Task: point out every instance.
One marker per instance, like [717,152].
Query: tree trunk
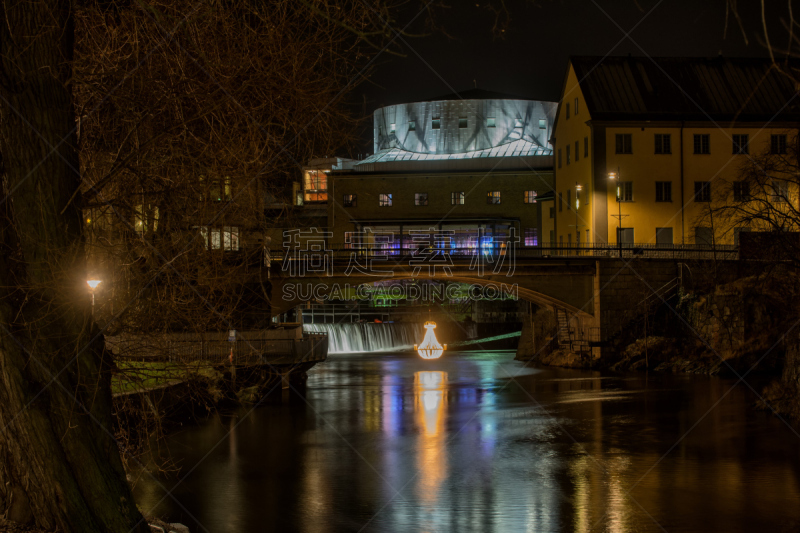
[59,463]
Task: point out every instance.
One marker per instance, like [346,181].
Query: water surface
[478,442]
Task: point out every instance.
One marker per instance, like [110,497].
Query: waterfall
[368,337]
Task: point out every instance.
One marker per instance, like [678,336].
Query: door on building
[664,237]
[625,236]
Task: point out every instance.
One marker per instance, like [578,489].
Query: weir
[368,337]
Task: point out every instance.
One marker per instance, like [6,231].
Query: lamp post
[577,206]
[93,283]
[615,176]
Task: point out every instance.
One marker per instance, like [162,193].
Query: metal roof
[518,148]
[720,89]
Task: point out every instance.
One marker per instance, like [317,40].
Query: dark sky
[530,60]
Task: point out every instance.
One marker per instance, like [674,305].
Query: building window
[702,191]
[560,202]
[559,158]
[457,198]
[569,199]
[542,124]
[740,144]
[663,143]
[777,144]
[350,200]
[741,191]
[420,198]
[385,200]
[703,236]
[780,191]
[625,235]
[663,191]
[490,123]
[663,236]
[624,143]
[493,197]
[412,125]
[517,122]
[737,232]
[530,197]
[552,214]
[568,158]
[577,151]
[576,106]
[435,123]
[392,128]
[531,236]
[462,123]
[220,238]
[315,186]
[586,147]
[702,143]
[625,191]
[567,111]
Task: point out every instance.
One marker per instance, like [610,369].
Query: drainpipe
[683,226]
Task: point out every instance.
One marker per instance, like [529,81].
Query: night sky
[530,59]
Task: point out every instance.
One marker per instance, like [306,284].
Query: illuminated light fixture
[93,283]
[430,347]
[612,175]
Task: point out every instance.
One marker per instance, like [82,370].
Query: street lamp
[615,176]
[577,206]
[93,283]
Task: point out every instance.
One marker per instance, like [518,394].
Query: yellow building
[674,135]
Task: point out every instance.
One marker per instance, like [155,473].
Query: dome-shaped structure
[458,126]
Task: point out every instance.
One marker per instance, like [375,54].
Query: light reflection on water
[390,443]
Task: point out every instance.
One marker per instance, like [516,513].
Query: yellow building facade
[673,134]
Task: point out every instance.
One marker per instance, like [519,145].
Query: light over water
[478,442]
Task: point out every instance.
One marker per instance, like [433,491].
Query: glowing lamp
[430,347]
[93,283]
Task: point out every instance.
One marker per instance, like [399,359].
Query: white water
[368,337]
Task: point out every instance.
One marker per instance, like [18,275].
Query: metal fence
[250,351]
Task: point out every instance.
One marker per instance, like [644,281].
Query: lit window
[391,128]
[663,143]
[315,186]
[531,236]
[462,123]
[216,238]
[230,238]
[702,191]
[777,144]
[490,123]
[221,190]
[384,200]
[412,125]
[702,143]
[530,197]
[457,198]
[517,122]
[493,197]
[542,124]
[435,123]
[421,198]
[740,144]
[624,143]
[350,200]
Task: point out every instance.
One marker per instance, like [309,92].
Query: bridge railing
[541,251]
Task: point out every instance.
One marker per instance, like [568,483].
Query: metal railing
[541,251]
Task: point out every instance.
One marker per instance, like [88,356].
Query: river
[478,442]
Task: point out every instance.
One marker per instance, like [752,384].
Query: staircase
[564,334]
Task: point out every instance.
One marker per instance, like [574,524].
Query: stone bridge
[593,297]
